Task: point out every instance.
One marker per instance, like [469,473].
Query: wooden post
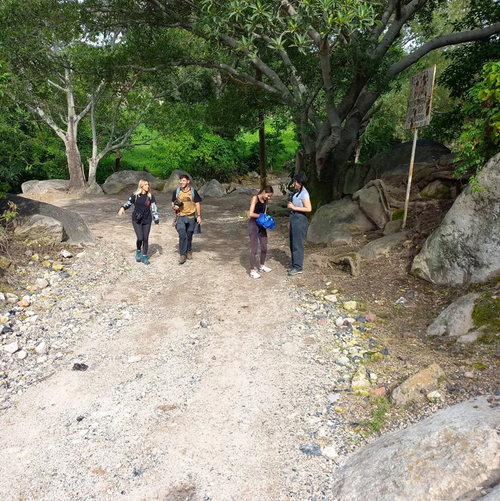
[410,174]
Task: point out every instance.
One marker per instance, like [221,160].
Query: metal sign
[418,113]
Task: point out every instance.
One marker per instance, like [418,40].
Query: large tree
[328,60]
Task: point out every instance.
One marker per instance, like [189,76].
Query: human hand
[198,219]
[290,205]
[121,211]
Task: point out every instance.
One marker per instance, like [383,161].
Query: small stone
[134,359]
[373,377]
[66,253]
[35,257]
[204,323]
[378,392]
[330,452]
[331,297]
[57,267]
[11,298]
[384,351]
[41,283]
[322,321]
[470,375]
[350,305]
[42,359]
[310,449]
[24,303]
[433,396]
[361,320]
[333,398]
[59,355]
[80,254]
[11,347]
[41,348]
[339,322]
[371,317]
[21,355]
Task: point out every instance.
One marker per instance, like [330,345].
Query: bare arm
[253,203]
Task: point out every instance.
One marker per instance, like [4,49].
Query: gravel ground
[199,383]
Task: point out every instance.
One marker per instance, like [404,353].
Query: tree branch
[443,41]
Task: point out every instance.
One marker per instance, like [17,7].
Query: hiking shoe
[294,271]
[145,259]
[254,274]
[189,254]
[138,256]
[182,259]
[265,269]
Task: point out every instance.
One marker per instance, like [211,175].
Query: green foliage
[379,135]
[6,225]
[486,313]
[481,131]
[382,406]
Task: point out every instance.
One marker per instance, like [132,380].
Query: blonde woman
[144,212]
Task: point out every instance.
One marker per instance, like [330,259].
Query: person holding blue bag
[300,204]
[258,223]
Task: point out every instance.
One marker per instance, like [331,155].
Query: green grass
[379,415]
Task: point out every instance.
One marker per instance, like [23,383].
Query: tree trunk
[118,157]
[75,166]
[262,151]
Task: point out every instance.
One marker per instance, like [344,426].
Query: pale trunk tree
[68,136]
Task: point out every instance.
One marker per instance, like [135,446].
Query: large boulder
[465,247]
[456,319]
[212,189]
[389,160]
[336,219]
[382,246]
[129,179]
[35,187]
[41,230]
[374,201]
[172,182]
[75,229]
[451,455]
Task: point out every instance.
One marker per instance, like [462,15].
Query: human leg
[183,238]
[146,228]
[140,237]
[254,240]
[298,232]
[263,250]
[189,231]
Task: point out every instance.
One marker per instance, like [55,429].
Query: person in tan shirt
[186,202]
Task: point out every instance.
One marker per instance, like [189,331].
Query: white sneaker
[254,274]
[265,269]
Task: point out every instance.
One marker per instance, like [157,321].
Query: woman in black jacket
[144,212]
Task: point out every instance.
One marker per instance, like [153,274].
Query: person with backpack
[258,234]
[300,204]
[145,211]
[186,203]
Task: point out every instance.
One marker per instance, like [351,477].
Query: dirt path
[168,409]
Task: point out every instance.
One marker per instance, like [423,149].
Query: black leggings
[257,233]
[142,232]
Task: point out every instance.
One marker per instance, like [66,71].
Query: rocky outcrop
[172,182]
[42,230]
[388,161]
[465,247]
[128,180]
[212,189]
[337,218]
[35,187]
[451,455]
[74,227]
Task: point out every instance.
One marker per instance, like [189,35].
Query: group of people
[186,202]
[300,205]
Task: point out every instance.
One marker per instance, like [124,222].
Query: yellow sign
[418,113]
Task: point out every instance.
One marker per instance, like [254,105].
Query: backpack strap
[177,191]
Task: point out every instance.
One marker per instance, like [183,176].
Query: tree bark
[75,166]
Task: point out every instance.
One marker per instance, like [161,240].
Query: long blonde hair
[142,182]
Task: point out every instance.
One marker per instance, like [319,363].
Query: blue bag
[265,221]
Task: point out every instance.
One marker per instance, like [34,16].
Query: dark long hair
[267,189]
[301,178]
